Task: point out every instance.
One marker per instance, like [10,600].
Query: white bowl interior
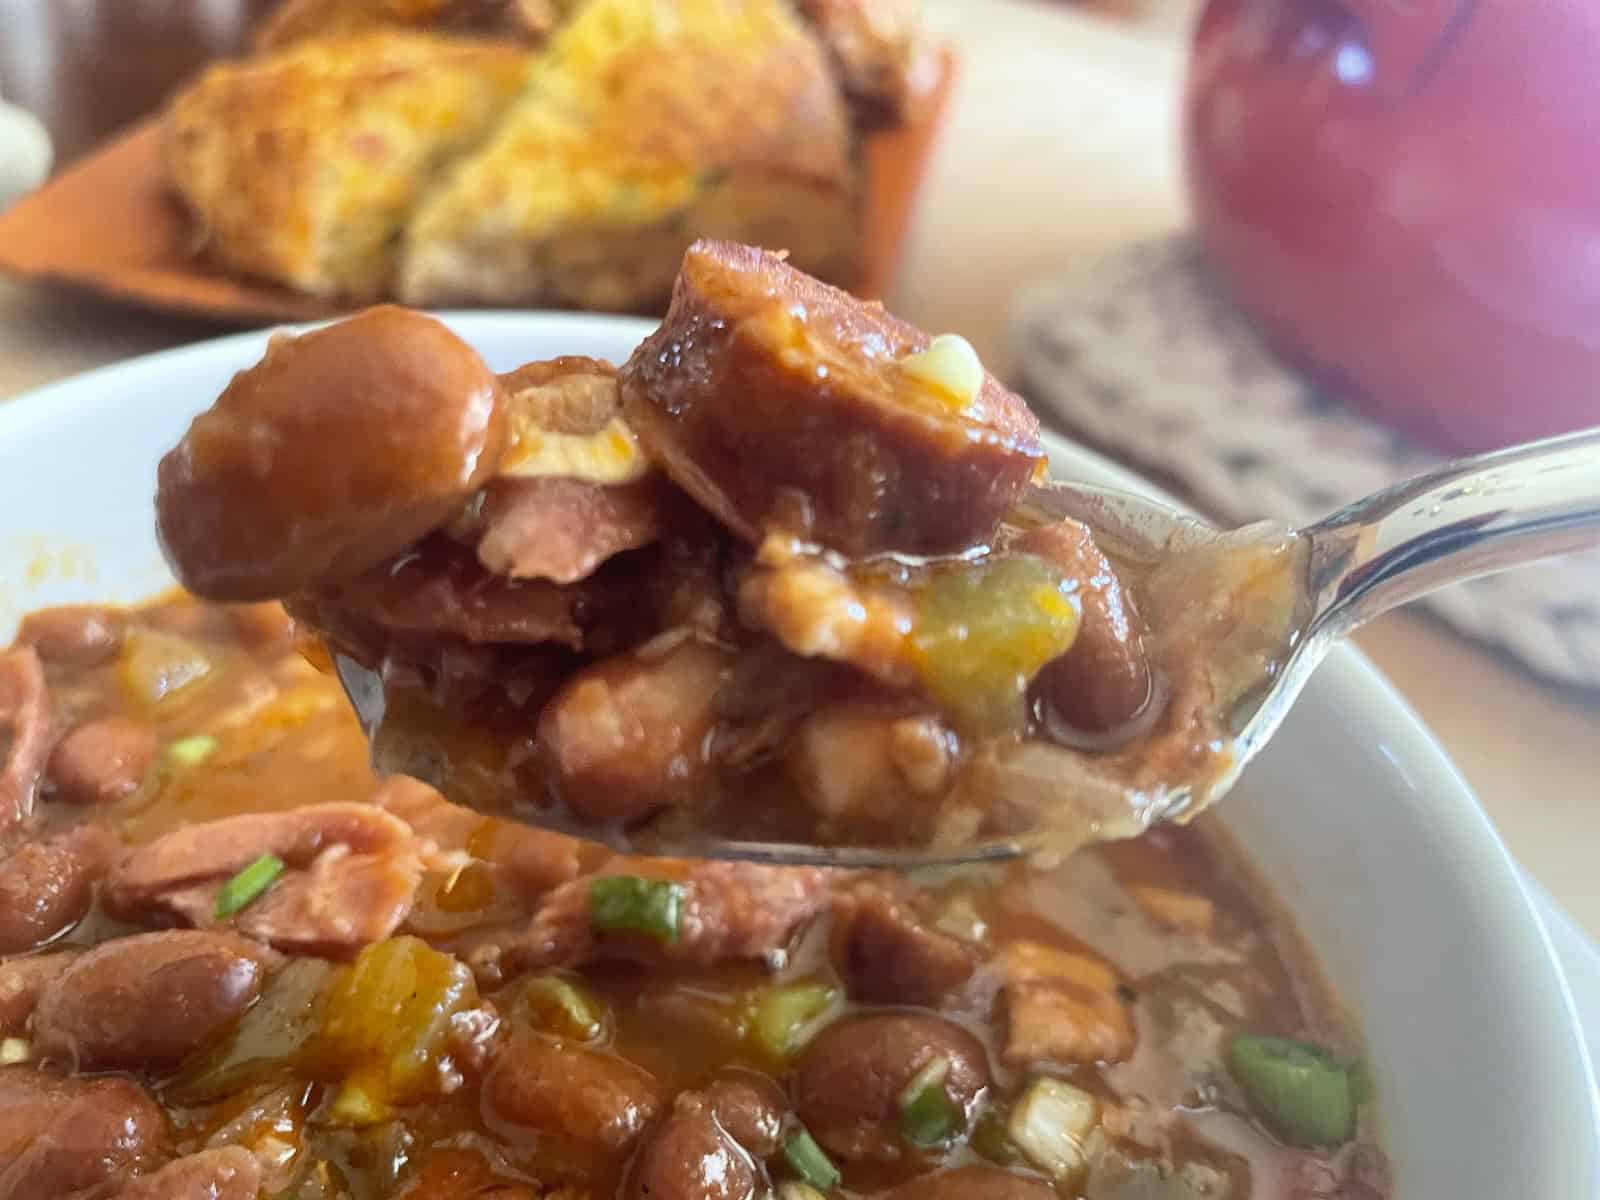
[1353,814]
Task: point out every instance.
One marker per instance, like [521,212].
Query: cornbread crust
[300,20]
[644,125]
[302,166]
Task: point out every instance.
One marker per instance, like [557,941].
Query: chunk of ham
[25,736]
[728,912]
[352,875]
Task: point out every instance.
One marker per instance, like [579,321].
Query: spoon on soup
[1243,618]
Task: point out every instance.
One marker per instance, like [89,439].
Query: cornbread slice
[303,165]
[646,124]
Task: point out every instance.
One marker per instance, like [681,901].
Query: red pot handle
[1404,36]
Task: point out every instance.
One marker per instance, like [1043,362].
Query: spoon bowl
[1469,518]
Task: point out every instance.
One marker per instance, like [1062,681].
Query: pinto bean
[148,1001]
[848,1082]
[690,1156]
[774,399]
[68,1137]
[21,982]
[46,886]
[101,762]
[584,1095]
[338,449]
[750,1107]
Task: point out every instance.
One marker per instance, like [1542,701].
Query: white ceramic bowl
[1353,814]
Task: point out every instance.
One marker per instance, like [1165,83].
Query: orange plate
[108,226]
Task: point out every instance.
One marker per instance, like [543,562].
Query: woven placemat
[1141,354]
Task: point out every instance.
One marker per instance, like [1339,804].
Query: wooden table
[1060,142]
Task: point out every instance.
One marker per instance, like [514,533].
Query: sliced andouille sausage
[972,1183]
[101,761]
[70,1137]
[25,734]
[1103,681]
[628,735]
[147,1001]
[225,1173]
[338,449]
[46,886]
[581,1094]
[74,635]
[777,401]
[847,1085]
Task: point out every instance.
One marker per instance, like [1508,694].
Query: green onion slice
[248,885]
[1300,1091]
[809,1162]
[927,1114]
[785,1016]
[631,904]
[990,1139]
[192,751]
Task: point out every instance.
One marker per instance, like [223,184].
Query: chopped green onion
[803,1154]
[561,1007]
[631,904]
[192,751]
[1299,1091]
[785,1017]
[927,1114]
[1049,1126]
[990,1139]
[247,886]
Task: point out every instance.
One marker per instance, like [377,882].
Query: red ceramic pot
[1406,194]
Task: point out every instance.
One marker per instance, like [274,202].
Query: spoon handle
[1468,518]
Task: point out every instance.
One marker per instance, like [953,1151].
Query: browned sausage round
[689,1156]
[146,1002]
[46,887]
[775,400]
[78,635]
[63,1137]
[103,761]
[337,450]
[226,1173]
[972,1183]
[848,1082]
[586,1095]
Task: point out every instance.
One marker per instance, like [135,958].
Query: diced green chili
[561,1007]
[192,751]
[631,904]
[801,1152]
[248,885]
[1299,1091]
[784,1017]
[990,1139]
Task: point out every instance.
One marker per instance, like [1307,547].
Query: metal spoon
[1466,519]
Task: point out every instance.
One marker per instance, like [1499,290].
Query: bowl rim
[1472,839]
